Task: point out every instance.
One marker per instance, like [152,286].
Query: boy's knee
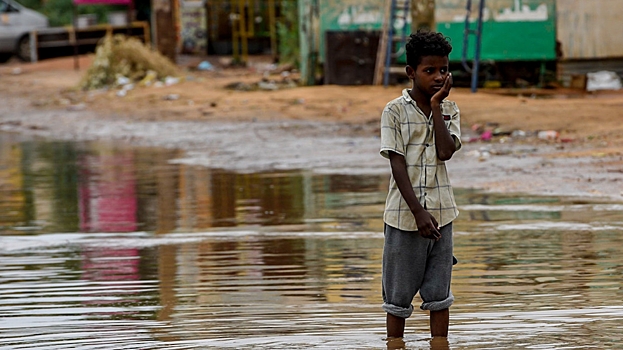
[398,311]
[436,304]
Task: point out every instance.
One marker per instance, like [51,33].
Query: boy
[419,132]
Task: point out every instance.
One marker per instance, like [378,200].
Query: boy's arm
[444,143]
[426,223]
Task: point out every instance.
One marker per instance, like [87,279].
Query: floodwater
[108,247]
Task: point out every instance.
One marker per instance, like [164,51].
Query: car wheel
[23,48]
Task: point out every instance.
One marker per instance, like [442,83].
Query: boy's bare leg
[439,321]
[395,326]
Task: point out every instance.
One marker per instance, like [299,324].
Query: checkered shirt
[407,131]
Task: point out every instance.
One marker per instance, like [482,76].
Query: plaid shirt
[407,131]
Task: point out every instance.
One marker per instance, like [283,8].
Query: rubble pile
[121,60]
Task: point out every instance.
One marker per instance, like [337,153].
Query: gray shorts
[412,263]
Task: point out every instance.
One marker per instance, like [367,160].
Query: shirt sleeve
[391,135]
[454,125]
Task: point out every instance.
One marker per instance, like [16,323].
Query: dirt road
[213,117]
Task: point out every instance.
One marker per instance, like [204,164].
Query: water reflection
[99,187]
[104,246]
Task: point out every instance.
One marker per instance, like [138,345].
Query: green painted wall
[514,30]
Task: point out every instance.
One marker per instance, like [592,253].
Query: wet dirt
[330,129]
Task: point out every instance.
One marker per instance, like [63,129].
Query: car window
[6,7]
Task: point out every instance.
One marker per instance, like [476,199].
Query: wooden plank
[381,52]
[66,36]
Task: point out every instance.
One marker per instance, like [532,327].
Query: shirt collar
[407,97]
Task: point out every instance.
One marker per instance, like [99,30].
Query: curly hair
[425,43]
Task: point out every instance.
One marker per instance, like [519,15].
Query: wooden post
[165,33]
[243,33]
[273,30]
[381,51]
[34,44]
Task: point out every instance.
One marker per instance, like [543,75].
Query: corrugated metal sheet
[590,29]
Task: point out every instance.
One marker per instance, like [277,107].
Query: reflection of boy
[419,132]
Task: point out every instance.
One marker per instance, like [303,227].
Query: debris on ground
[603,80]
[493,133]
[121,60]
[205,65]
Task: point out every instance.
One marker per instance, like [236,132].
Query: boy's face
[428,77]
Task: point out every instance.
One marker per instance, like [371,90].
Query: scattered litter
[486,136]
[171,97]
[150,78]
[121,80]
[501,132]
[547,135]
[168,81]
[205,65]
[518,133]
[602,80]
[267,85]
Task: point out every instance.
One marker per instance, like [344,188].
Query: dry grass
[125,56]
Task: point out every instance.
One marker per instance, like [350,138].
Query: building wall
[513,30]
[590,29]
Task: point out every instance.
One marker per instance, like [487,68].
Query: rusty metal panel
[590,29]
[350,57]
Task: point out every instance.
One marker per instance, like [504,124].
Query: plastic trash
[171,97]
[602,80]
[122,80]
[486,136]
[205,65]
[149,78]
[168,81]
[547,135]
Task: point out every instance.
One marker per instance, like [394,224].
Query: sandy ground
[325,128]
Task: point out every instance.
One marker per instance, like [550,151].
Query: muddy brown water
[108,247]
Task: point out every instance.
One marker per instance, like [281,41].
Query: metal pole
[466,33]
[477,53]
[74,38]
[390,42]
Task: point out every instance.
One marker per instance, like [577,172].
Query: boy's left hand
[444,91]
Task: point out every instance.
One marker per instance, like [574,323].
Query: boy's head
[427,63]
[425,43]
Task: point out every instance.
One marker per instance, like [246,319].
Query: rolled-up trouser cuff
[438,305]
[397,310]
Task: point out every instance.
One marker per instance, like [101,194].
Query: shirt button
[427,145]
[425,194]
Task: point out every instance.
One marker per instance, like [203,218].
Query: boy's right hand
[427,225]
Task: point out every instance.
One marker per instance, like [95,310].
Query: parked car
[16,23]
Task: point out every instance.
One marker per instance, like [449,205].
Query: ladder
[478,33]
[395,11]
